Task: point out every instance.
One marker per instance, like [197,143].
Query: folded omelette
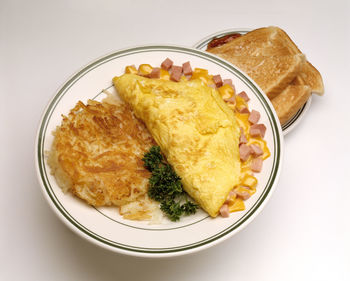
[195,129]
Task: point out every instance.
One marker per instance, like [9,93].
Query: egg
[196,130]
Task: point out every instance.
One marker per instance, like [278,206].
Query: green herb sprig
[165,186]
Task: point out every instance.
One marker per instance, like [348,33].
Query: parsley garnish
[165,186]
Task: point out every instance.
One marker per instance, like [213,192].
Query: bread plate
[104,226]
[292,122]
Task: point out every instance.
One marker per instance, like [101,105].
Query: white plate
[292,122]
[104,226]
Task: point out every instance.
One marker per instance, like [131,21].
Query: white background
[302,234]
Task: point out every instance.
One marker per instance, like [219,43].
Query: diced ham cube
[217,80]
[187,69]
[243,194]
[155,73]
[224,211]
[257,130]
[244,152]
[256,150]
[232,193]
[167,64]
[212,86]
[257,165]
[176,73]
[227,82]
[244,95]
[254,116]
[242,138]
[244,110]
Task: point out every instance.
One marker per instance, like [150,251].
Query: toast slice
[270,41]
[290,100]
[297,81]
[272,73]
[312,78]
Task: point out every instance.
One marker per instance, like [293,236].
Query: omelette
[195,129]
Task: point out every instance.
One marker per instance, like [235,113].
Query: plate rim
[296,118]
[275,174]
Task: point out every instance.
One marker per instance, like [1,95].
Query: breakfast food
[205,130]
[270,49]
[195,130]
[96,154]
[210,144]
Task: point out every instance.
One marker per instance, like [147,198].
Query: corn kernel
[201,74]
[226,91]
[249,181]
[164,74]
[238,205]
[144,69]
[243,122]
[240,103]
[130,69]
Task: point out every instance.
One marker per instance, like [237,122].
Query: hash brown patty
[96,154]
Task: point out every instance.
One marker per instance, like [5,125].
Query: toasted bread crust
[297,81]
[290,100]
[312,78]
[266,41]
